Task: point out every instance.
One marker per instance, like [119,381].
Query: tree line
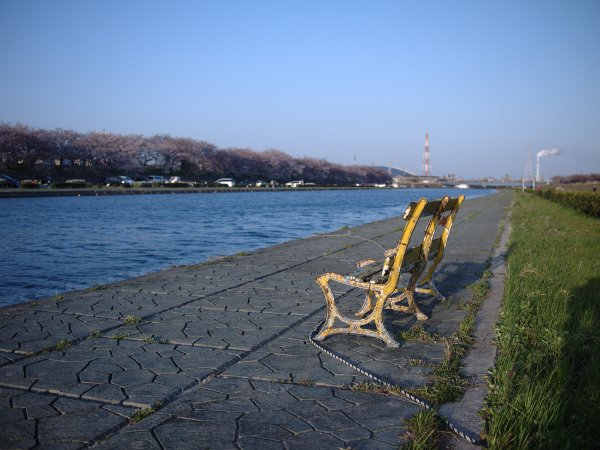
[30,152]
[578,178]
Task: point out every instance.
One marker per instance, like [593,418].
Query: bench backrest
[415,258]
[438,244]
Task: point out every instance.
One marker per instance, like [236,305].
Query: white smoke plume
[548,152]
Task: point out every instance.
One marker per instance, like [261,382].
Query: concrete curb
[482,355]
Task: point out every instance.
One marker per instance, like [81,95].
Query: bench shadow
[410,363]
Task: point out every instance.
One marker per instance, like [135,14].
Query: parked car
[120,180]
[8,181]
[155,179]
[229,182]
[44,181]
[294,184]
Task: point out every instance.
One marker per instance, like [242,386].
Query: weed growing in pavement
[368,386]
[210,262]
[120,335]
[418,333]
[151,339]
[420,362]
[424,431]
[61,345]
[131,320]
[98,287]
[141,414]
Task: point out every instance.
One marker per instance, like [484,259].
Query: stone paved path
[221,351]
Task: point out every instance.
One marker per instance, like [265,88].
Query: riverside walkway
[220,351]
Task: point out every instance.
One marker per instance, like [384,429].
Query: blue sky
[329,79]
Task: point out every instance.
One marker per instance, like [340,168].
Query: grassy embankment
[545,389]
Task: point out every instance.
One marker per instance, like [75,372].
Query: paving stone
[354,435]
[149,394]
[141,440]
[210,328]
[49,421]
[9,358]
[179,286]
[371,444]
[249,442]
[252,299]
[106,392]
[314,439]
[267,412]
[78,427]
[31,331]
[112,303]
[389,436]
[263,430]
[183,434]
[331,421]
[280,418]
[118,372]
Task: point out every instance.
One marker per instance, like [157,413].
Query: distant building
[414,179]
[396,171]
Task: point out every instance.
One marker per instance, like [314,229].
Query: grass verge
[545,387]
[447,382]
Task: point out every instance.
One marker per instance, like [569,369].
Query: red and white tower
[426,164]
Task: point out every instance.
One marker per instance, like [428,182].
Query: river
[53,245]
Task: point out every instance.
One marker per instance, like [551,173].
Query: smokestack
[426,164]
[543,154]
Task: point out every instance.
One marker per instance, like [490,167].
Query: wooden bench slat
[432,207]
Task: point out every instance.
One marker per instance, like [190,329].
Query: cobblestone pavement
[217,355]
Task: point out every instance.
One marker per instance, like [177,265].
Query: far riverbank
[98,191]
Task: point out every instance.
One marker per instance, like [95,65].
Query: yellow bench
[383,284]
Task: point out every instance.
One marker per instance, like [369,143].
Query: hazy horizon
[346,81]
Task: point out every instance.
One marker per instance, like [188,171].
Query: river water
[57,244]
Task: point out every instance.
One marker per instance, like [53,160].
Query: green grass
[545,387]
[424,431]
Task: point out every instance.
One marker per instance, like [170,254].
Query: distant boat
[462,186]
